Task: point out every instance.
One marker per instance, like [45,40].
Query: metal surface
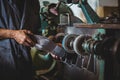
[97,26]
[89,13]
[80,31]
[67,43]
[77,45]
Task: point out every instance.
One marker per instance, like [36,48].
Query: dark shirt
[20,6]
[15,59]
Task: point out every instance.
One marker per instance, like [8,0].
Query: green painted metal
[101,69]
[42,60]
[89,13]
[99,33]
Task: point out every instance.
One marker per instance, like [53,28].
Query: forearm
[20,36]
[6,33]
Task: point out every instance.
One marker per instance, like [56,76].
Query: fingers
[29,42]
[28,32]
[55,57]
[26,42]
[23,37]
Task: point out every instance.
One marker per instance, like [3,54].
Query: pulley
[78,44]
[67,43]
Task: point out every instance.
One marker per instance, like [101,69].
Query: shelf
[97,26]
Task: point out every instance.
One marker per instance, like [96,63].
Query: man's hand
[23,37]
